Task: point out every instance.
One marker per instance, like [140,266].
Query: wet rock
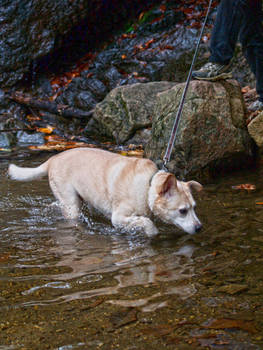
[212,133]
[255,129]
[6,140]
[127,109]
[233,289]
[29,30]
[3,100]
[85,100]
[7,126]
[33,29]
[24,138]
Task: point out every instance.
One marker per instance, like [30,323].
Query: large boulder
[128,109]
[212,134]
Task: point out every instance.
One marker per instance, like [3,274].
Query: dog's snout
[198,227]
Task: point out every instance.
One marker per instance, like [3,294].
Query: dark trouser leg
[243,19]
[254,56]
[251,38]
[225,31]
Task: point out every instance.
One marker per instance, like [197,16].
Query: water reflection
[47,263]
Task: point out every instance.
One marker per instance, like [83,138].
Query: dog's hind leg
[68,198]
[134,222]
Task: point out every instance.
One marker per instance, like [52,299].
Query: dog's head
[172,201]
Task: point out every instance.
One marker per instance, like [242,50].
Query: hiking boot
[213,71]
[255,106]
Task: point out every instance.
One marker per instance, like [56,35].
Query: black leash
[167,156]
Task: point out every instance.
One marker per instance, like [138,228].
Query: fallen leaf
[223,323]
[54,138]
[158,331]
[128,36]
[53,146]
[47,130]
[93,304]
[247,187]
[233,288]
[4,258]
[141,16]
[132,153]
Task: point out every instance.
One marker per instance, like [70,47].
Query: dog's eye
[183,211]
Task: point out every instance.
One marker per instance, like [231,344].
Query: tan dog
[127,190]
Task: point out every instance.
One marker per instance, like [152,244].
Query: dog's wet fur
[128,190]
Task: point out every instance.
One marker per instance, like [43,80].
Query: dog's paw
[137,223]
[152,232]
[149,228]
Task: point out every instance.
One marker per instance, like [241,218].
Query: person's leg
[223,41]
[225,31]
[251,38]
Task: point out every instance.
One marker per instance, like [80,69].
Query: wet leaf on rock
[223,323]
[47,130]
[123,317]
[132,153]
[60,146]
[233,288]
[247,187]
[93,304]
[158,330]
[4,258]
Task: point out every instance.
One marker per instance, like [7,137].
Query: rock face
[128,109]
[212,133]
[31,29]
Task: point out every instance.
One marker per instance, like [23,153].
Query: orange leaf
[4,258]
[53,138]
[141,15]
[47,130]
[162,8]
[132,153]
[223,323]
[247,187]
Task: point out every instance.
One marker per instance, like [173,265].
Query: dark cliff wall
[33,28]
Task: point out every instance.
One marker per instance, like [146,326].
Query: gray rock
[24,138]
[6,139]
[212,132]
[127,109]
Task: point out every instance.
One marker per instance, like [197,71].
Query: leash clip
[164,167]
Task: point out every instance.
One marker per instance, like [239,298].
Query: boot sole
[218,77]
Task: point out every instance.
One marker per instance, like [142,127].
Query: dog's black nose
[198,227]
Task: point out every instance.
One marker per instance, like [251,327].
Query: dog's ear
[194,185]
[166,184]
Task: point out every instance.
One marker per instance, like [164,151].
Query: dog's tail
[27,174]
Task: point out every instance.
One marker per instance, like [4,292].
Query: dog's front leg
[132,222]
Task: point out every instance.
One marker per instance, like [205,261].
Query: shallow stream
[91,287]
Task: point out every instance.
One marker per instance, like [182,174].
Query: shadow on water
[89,286]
